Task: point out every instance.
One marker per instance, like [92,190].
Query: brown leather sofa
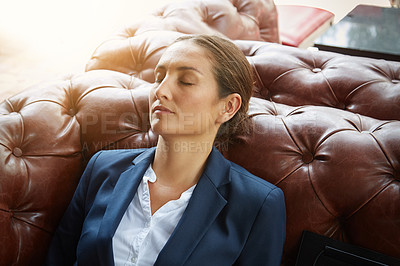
[326,130]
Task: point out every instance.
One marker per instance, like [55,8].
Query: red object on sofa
[300,25]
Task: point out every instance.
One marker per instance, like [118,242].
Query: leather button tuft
[17,152]
[395,81]
[316,70]
[71,112]
[341,105]
[308,157]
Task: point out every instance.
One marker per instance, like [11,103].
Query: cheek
[204,100]
[198,108]
[201,112]
[195,104]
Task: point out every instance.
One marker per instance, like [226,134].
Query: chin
[162,130]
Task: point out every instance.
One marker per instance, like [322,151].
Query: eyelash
[186,83]
[181,82]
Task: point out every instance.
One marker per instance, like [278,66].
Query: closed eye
[186,83]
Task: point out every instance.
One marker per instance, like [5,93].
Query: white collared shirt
[141,236]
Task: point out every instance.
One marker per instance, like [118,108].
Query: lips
[160,109]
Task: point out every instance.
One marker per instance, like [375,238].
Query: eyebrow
[181,68]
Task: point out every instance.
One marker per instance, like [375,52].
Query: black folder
[318,250]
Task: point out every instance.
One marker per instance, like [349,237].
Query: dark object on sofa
[323,251]
[326,131]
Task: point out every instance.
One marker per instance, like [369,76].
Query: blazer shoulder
[122,153]
[112,163]
[106,166]
[247,181]
[243,173]
[111,157]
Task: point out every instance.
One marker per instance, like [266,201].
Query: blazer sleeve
[264,245]
[62,249]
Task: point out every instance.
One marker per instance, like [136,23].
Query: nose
[163,89]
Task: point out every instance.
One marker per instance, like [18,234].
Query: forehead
[186,53]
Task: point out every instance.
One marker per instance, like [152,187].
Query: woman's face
[184,99]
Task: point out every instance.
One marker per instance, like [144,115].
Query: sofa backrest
[234,19]
[283,74]
[298,77]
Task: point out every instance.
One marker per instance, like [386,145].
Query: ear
[229,106]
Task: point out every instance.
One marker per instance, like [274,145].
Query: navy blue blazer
[232,218]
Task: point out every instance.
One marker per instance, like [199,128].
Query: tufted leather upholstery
[235,19]
[302,77]
[326,130]
[46,136]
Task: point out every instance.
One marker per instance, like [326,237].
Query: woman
[182,202]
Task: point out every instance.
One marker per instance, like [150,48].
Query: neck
[180,162]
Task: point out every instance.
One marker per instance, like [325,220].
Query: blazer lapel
[203,208]
[122,195]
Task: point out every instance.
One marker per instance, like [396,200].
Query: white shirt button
[134,259]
